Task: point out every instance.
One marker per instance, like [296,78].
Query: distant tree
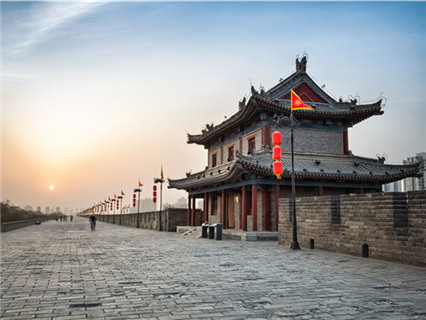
[11,213]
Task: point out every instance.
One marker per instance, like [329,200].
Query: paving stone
[62,270]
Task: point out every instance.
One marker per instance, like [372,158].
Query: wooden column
[266,136]
[266,211]
[188,213]
[244,209]
[206,207]
[345,142]
[254,205]
[193,211]
[277,207]
[223,209]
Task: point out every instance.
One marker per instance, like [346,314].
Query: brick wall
[168,220]
[313,140]
[392,225]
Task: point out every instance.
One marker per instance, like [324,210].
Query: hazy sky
[98,95]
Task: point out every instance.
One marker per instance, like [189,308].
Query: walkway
[62,270]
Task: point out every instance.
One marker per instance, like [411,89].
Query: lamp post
[121,206]
[138,190]
[160,181]
[284,121]
[105,210]
[113,213]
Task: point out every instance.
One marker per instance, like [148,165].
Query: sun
[51,187]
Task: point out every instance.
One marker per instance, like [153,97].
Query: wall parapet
[390,226]
[166,220]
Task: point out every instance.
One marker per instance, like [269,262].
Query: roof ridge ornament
[301,64]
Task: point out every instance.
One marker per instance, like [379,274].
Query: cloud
[39,23]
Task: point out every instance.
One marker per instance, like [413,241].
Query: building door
[231,215]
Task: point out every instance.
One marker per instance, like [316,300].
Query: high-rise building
[395,186]
[416,183]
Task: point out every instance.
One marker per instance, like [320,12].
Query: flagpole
[295,244]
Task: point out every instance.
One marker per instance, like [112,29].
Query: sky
[97,95]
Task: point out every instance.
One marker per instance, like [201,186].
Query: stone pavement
[62,270]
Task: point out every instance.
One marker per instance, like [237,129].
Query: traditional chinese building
[238,185]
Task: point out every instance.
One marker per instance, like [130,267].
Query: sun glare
[51,187]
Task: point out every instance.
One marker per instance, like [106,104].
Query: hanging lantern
[276,138]
[278,169]
[277,153]
[134,200]
[154,199]
[118,207]
[111,206]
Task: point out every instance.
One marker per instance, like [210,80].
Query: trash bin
[204,227]
[211,231]
[219,231]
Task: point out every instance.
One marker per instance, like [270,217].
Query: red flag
[140,184]
[122,193]
[162,175]
[115,196]
[297,103]
[109,198]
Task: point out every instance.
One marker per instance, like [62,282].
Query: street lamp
[160,181]
[113,214]
[121,205]
[284,121]
[138,190]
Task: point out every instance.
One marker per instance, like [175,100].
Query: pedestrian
[71,217]
[92,221]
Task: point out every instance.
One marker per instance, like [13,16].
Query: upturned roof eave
[238,118]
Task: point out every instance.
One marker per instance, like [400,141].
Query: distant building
[58,209]
[28,208]
[47,210]
[38,209]
[145,205]
[182,203]
[416,183]
[393,186]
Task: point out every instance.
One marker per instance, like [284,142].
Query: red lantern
[277,153]
[154,199]
[278,169]
[154,187]
[118,207]
[111,206]
[276,138]
[134,200]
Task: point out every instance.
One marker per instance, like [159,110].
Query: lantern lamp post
[284,121]
[138,190]
[120,198]
[160,181]
[113,213]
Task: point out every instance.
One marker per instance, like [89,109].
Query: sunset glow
[98,95]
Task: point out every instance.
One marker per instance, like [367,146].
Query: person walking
[92,221]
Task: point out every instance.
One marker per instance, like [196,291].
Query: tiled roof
[340,111]
[307,167]
[340,168]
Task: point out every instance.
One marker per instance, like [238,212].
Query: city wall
[389,226]
[9,226]
[166,220]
